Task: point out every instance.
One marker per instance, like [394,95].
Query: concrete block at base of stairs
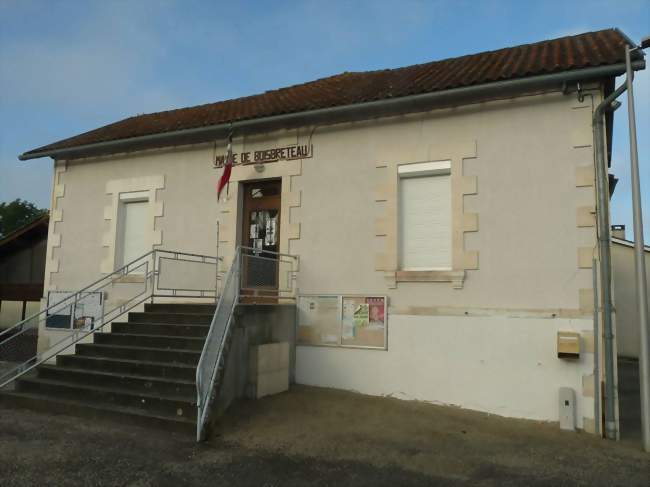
[268,371]
[268,357]
[273,382]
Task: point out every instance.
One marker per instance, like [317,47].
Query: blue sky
[70,66]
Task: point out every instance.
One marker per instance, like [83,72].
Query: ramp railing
[212,362]
[255,276]
[73,316]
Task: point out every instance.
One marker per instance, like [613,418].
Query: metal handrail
[204,395]
[64,303]
[149,279]
[280,254]
[73,297]
[212,354]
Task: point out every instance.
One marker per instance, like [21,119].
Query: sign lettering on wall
[287,153]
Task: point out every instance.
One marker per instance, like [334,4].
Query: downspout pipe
[597,396]
[358,111]
[602,195]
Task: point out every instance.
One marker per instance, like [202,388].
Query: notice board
[318,322]
[342,320]
[363,321]
[88,310]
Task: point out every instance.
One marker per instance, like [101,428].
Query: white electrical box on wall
[567,402]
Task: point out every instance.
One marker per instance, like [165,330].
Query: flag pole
[224,180]
[229,155]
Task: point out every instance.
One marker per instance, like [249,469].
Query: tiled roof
[34,229]
[591,49]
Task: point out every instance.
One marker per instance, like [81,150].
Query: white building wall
[524,237]
[500,365]
[628,333]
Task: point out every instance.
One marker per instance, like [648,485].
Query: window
[425,216]
[133,235]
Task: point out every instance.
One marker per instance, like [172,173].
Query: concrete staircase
[143,372]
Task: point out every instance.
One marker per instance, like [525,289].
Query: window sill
[455,277]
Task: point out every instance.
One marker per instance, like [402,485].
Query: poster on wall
[318,320]
[363,321]
[88,310]
[348,321]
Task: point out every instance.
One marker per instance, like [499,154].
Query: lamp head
[645,42]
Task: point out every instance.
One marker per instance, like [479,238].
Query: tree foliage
[17,213]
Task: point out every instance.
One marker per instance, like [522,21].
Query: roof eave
[374,109]
[628,243]
[25,229]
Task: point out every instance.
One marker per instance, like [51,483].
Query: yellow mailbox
[568,344]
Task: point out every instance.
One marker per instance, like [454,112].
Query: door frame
[244,220]
[262,293]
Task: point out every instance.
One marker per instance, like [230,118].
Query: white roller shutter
[134,231]
[425,222]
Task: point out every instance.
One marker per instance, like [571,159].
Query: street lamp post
[639,258]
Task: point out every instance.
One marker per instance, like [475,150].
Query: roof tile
[567,53]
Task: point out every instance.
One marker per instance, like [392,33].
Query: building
[628,333]
[627,315]
[22,268]
[438,219]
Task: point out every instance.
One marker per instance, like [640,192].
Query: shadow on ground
[313,436]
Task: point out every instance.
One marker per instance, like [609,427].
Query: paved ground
[316,437]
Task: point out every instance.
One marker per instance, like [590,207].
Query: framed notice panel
[88,309]
[363,321]
[318,320]
[342,321]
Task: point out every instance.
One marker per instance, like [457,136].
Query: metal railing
[254,276]
[212,356]
[267,277]
[77,315]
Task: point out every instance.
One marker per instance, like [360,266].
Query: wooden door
[261,234]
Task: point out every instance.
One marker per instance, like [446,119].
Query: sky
[70,66]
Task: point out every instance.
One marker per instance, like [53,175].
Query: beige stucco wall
[521,155]
[625,304]
[525,168]
[523,200]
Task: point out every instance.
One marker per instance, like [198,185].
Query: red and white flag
[227,169]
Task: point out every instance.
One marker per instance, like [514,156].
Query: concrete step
[143,372]
[130,366]
[148,354]
[165,405]
[121,414]
[150,341]
[168,329]
[138,383]
[176,318]
[180,308]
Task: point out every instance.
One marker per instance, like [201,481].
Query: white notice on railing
[88,310]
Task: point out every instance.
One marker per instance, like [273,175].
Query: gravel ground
[313,436]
